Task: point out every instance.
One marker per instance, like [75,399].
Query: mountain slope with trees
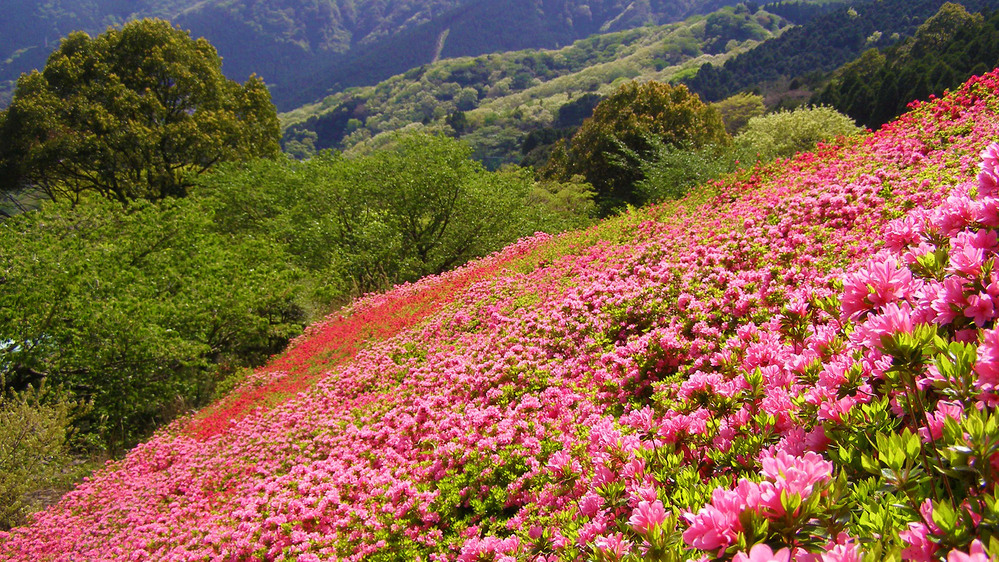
[820,46]
[948,48]
[494,101]
[306,49]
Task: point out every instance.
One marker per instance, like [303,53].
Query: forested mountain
[822,45]
[492,101]
[305,49]
[31,29]
[477,27]
[944,52]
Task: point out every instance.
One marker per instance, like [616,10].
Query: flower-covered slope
[801,366]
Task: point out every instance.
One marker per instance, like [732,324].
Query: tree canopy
[628,124]
[136,112]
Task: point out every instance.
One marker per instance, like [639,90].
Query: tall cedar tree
[136,112]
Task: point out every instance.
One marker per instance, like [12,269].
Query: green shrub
[673,171]
[34,434]
[782,134]
[142,306]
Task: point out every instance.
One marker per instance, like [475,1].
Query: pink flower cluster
[715,526]
[580,396]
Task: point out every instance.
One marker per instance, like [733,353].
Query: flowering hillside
[800,365]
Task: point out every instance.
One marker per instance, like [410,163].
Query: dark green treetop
[136,112]
[630,123]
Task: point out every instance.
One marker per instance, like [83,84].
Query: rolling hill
[798,360]
[492,101]
[306,49]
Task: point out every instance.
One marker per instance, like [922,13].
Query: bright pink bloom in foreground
[647,516]
[975,554]
[763,553]
[614,545]
[797,475]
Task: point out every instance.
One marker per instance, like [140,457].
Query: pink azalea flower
[966,259]
[647,516]
[880,281]
[763,553]
[990,157]
[797,475]
[935,421]
[980,308]
[614,545]
[844,550]
[921,547]
[987,365]
[590,504]
[988,183]
[950,300]
[975,554]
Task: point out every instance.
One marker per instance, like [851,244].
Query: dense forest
[945,51]
[513,107]
[493,101]
[820,45]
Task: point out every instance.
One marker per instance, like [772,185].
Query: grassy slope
[509,409]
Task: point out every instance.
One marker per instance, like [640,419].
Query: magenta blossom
[763,553]
[975,554]
[647,516]
[614,545]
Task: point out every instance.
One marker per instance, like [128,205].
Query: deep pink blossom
[647,516]
[763,553]
[987,365]
[975,554]
[614,545]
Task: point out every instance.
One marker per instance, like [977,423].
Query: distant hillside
[477,27]
[492,101]
[31,29]
[306,49]
[821,45]
[944,52]
[797,363]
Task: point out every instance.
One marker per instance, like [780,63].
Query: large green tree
[137,309]
[137,112]
[418,206]
[625,129]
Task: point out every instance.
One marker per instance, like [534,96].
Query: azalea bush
[798,363]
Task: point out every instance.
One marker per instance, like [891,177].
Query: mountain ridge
[306,48]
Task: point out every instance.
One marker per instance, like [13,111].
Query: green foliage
[136,112]
[34,439]
[782,134]
[670,172]
[737,110]
[416,207]
[136,309]
[945,50]
[625,130]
